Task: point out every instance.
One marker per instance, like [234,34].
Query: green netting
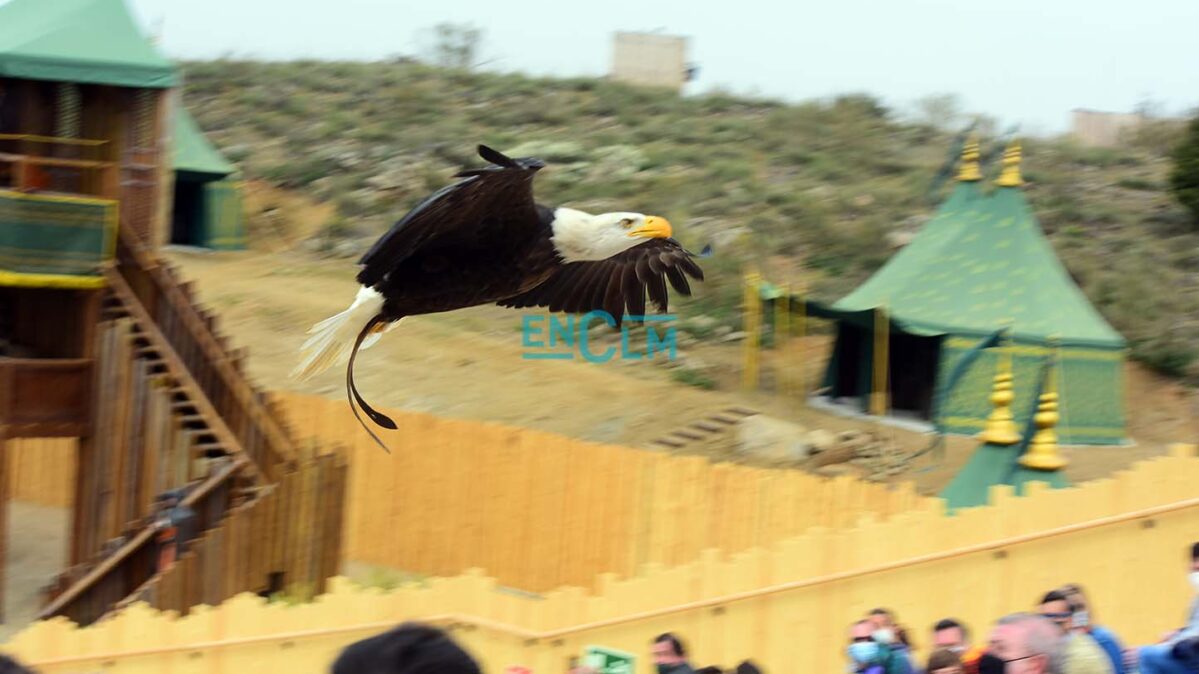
[1088,383]
[222,225]
[54,241]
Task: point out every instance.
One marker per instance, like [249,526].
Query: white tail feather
[332,338]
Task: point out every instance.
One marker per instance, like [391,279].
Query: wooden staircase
[174,408]
[704,430]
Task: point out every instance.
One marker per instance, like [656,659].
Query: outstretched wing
[616,284]
[496,195]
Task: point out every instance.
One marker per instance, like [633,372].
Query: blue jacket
[1110,644]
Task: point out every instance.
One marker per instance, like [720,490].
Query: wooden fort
[101,341]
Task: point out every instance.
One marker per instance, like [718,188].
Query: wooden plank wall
[139,448]
[288,539]
[42,471]
[1126,539]
[539,510]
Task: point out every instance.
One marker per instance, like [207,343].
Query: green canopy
[981,263]
[193,153]
[85,41]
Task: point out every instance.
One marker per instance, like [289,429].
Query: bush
[692,377]
[1184,176]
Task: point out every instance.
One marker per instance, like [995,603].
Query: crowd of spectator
[1062,636]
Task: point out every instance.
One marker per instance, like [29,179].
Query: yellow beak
[655,228]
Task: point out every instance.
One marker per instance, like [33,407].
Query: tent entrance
[187,213]
[912,364]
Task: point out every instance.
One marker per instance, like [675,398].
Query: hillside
[825,187]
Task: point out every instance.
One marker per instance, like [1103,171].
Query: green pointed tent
[207,208]
[980,263]
[84,41]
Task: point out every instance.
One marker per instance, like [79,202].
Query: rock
[722,330]
[854,442]
[768,437]
[899,239]
[734,336]
[835,455]
[868,450]
[837,470]
[821,440]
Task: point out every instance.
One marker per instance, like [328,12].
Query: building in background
[651,59]
[1093,128]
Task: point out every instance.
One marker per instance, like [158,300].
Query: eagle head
[579,236]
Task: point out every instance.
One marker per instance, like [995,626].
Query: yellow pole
[882,333]
[751,322]
[801,328]
[1042,452]
[782,338]
[1000,428]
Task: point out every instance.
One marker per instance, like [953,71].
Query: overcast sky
[1024,61]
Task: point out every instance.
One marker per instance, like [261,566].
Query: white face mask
[1194,578]
[884,635]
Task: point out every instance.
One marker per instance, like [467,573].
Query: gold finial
[1042,452]
[1011,167]
[969,171]
[1001,426]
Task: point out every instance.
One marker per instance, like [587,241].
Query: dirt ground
[37,551]
[469,364]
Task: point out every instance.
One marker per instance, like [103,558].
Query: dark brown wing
[500,195]
[617,285]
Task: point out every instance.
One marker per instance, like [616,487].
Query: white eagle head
[580,237]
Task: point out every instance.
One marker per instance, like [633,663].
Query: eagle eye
[626,222]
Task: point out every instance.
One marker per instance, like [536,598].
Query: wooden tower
[100,340]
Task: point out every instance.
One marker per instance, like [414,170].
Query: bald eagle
[485,240]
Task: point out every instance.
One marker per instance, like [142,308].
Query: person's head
[951,634]
[747,667]
[710,669]
[885,629]
[1056,608]
[10,666]
[863,648]
[668,650]
[1083,616]
[411,648]
[944,661]
[1022,643]
[881,617]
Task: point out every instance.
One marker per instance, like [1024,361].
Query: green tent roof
[193,152]
[979,262]
[86,41]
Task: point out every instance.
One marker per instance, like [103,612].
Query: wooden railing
[88,591]
[87,172]
[285,540]
[158,297]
